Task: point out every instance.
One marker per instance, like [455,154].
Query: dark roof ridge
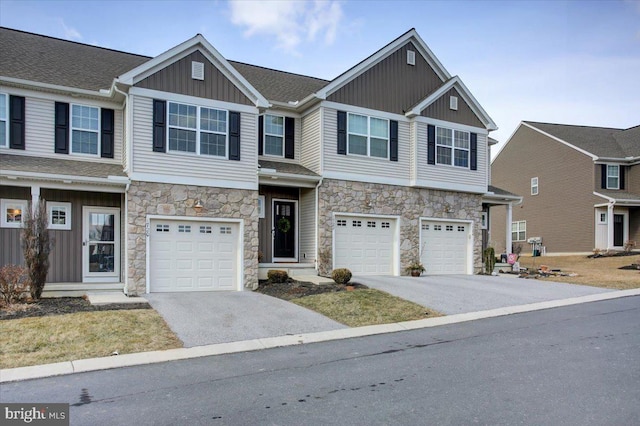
[281,71]
[574,125]
[76,42]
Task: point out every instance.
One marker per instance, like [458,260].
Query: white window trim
[534,186]
[261,211]
[6,120]
[198,131]
[23,205]
[519,228]
[453,147]
[616,176]
[265,134]
[51,206]
[368,136]
[71,129]
[602,220]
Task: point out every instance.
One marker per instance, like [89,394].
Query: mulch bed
[295,289]
[61,306]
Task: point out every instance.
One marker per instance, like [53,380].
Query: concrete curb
[129,360]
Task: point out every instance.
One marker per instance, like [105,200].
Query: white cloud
[291,22]
[70,33]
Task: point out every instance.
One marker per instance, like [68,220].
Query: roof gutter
[55,87]
[109,180]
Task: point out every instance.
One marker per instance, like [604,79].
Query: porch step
[292,269]
[315,279]
[111,297]
[502,266]
[79,289]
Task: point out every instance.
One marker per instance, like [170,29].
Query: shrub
[14,284]
[489,260]
[36,246]
[276,276]
[341,275]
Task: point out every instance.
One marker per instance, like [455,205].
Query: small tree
[36,246]
[489,260]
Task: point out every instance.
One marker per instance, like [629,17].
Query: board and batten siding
[368,169]
[438,173]
[311,141]
[307,229]
[441,110]
[181,165]
[40,129]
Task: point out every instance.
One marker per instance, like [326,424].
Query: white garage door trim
[240,243]
[395,229]
[469,233]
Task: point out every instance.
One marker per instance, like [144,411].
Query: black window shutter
[159,125]
[342,133]
[234,135]
[603,177]
[393,140]
[261,135]
[473,154]
[61,128]
[289,137]
[106,133]
[16,122]
[621,168]
[431,144]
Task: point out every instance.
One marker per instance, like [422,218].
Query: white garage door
[193,256]
[445,247]
[365,245]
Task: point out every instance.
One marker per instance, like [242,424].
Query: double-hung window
[274,135]
[613,177]
[197,130]
[85,128]
[368,136]
[519,230]
[452,147]
[534,186]
[4,114]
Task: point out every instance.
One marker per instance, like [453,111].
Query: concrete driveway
[457,294]
[204,318]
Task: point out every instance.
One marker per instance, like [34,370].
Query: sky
[570,62]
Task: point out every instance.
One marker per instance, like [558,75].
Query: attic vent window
[453,103]
[197,70]
[411,57]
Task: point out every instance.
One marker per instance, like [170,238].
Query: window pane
[84,142]
[379,128]
[357,124]
[461,158]
[444,137]
[213,120]
[273,145]
[182,115]
[612,182]
[182,140]
[3,133]
[461,139]
[274,125]
[444,155]
[3,107]
[378,148]
[84,117]
[213,144]
[357,145]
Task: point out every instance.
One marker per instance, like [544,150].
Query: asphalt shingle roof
[600,141]
[619,195]
[289,168]
[500,191]
[54,166]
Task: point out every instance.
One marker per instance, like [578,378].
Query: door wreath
[284,225]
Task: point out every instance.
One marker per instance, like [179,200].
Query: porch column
[508,240]
[610,226]
[35,198]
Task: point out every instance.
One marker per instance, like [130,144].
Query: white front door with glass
[100,244]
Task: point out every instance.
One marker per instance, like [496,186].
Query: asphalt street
[576,365]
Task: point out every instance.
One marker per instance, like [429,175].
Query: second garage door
[445,247]
[193,256]
[365,245]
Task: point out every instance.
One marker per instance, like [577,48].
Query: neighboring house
[580,186]
[189,172]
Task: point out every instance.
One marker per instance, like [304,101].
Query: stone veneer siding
[177,200]
[410,204]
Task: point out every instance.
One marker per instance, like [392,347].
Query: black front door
[284,229]
[618,230]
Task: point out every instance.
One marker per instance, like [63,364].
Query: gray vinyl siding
[176,78]
[365,167]
[441,110]
[10,249]
[413,157]
[391,85]
[296,149]
[39,131]
[311,141]
[563,211]
[180,165]
[439,173]
[307,234]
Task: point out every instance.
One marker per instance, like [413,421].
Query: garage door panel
[364,245]
[445,247]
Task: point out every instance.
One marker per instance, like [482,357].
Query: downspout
[610,228]
[317,218]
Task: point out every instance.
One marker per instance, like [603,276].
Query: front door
[284,230]
[618,230]
[100,244]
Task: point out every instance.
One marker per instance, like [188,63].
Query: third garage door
[365,245]
[445,247]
